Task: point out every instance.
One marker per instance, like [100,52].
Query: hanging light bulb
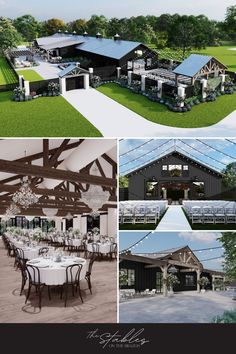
[69,216]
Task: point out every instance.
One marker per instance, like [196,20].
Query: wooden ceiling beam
[39,191]
[39,155]
[50,173]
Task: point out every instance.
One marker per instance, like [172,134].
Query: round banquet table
[54,273]
[102,247]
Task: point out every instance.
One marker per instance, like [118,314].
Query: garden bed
[201,115]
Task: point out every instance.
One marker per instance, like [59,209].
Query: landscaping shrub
[227,317]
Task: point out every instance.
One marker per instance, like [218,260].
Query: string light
[150,160]
[137,147]
[220,152]
[147,153]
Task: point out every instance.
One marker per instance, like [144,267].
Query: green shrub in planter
[44,94]
[227,317]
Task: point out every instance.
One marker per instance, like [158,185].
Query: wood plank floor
[100,307]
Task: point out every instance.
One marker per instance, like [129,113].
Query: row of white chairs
[141,213]
[212,213]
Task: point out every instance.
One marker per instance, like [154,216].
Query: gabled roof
[193,64]
[165,254]
[73,68]
[111,48]
[60,44]
[169,154]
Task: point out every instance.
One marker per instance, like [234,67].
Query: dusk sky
[159,241]
[218,159]
[72,9]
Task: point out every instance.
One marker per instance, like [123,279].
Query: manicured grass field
[7,74]
[43,117]
[30,75]
[203,115]
[223,53]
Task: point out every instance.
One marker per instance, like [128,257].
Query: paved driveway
[115,120]
[186,307]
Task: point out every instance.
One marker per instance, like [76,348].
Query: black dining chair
[33,274]
[43,250]
[89,271]
[72,280]
[19,256]
[24,277]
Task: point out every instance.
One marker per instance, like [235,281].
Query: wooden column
[198,278]
[165,274]
[213,285]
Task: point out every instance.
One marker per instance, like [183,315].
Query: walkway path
[174,219]
[113,119]
[185,307]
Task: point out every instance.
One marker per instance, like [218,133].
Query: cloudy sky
[215,153]
[159,241]
[71,9]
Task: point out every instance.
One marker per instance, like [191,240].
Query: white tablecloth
[102,247]
[54,273]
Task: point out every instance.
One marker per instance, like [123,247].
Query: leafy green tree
[183,34]
[27,26]
[230,21]
[54,25]
[229,178]
[97,24]
[123,182]
[79,26]
[228,240]
[9,37]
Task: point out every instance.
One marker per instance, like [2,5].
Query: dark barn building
[149,270]
[174,176]
[97,51]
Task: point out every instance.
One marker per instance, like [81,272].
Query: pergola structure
[182,259]
[199,67]
[58,171]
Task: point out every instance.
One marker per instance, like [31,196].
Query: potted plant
[19,94]
[203,282]
[172,280]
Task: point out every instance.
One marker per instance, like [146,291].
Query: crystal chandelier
[95,197]
[12,210]
[25,197]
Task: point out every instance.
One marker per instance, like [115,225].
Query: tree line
[180,31]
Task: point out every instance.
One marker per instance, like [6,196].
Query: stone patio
[185,307]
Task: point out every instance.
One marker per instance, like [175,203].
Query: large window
[128,277]
[151,188]
[189,280]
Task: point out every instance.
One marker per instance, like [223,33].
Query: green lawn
[7,74]
[203,115]
[222,53]
[42,117]
[30,75]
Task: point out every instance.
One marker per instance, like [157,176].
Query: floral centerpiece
[95,230]
[36,234]
[76,233]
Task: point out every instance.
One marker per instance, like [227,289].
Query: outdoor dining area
[58,230]
[210,212]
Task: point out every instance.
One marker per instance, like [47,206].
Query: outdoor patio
[187,307]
